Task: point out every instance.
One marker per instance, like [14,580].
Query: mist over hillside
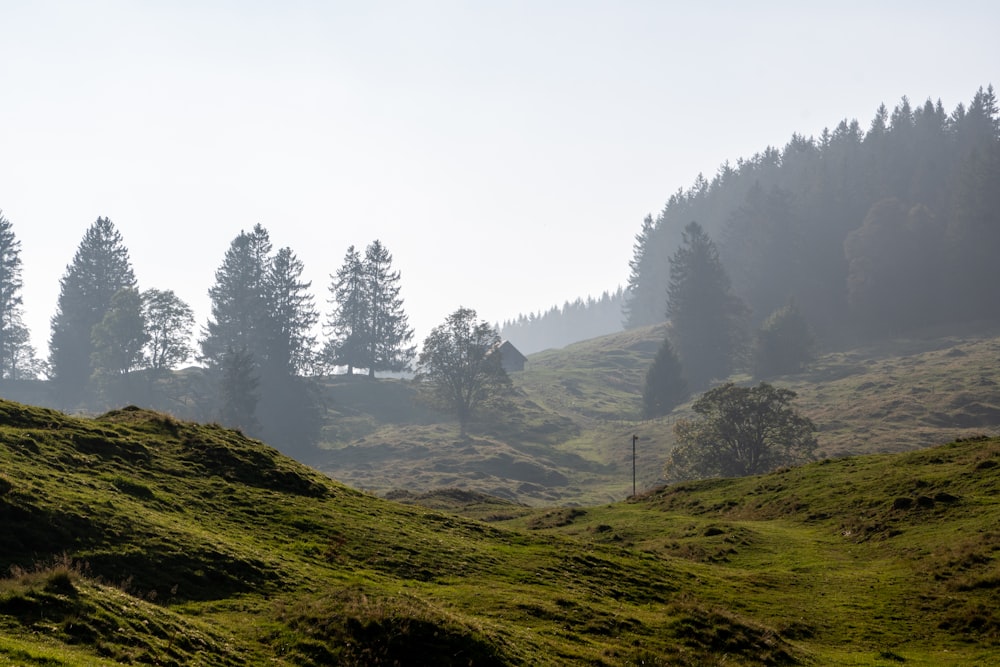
[560,326]
[872,231]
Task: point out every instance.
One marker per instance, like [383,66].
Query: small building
[511,358]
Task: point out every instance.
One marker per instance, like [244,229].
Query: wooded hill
[863,228]
[133,538]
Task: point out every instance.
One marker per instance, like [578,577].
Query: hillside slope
[133,538]
[566,436]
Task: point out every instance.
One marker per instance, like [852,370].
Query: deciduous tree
[169,322]
[740,431]
[120,336]
[458,368]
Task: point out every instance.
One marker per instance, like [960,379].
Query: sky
[504,152]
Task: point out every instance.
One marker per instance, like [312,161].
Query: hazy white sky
[504,152]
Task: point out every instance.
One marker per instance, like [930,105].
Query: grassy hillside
[134,538]
[566,436]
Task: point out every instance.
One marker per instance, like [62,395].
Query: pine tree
[973,234]
[12,331]
[24,365]
[239,300]
[100,268]
[784,344]
[349,319]
[387,331]
[647,277]
[706,318]
[665,386]
[239,390]
[763,248]
[291,316]
[260,335]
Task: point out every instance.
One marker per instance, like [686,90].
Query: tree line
[557,327]
[112,343]
[854,235]
[870,232]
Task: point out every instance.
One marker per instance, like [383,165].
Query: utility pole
[634,438]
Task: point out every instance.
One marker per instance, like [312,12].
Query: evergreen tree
[706,318]
[763,248]
[239,300]
[944,164]
[647,278]
[349,319]
[574,322]
[973,235]
[979,124]
[169,322]
[784,344]
[12,331]
[291,316]
[665,386]
[100,268]
[239,390]
[24,365]
[387,330]
[261,334]
[894,276]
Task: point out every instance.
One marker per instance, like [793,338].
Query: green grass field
[134,538]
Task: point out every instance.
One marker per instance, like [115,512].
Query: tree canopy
[169,322]
[864,229]
[740,431]
[460,367]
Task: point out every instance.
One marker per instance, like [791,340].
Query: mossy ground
[134,538]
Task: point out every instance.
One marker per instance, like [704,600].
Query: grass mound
[134,538]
